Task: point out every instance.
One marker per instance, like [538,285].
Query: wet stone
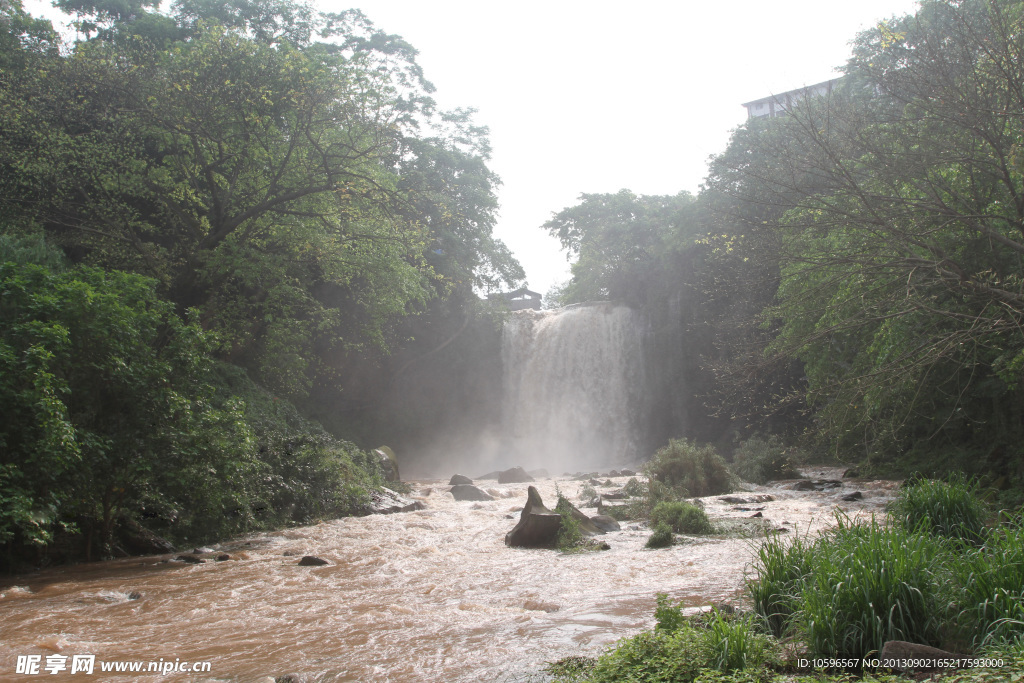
[312,561]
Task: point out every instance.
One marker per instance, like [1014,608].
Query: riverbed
[431,595]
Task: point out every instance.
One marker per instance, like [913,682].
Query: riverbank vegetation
[928,577]
[218,225]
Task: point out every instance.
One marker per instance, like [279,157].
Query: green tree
[617,240]
[104,391]
[901,284]
[280,186]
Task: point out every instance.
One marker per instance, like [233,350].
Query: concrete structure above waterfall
[778,105]
[518,300]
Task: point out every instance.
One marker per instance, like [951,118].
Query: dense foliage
[212,221]
[851,271]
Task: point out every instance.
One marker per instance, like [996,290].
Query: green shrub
[587,494]
[661,537]
[653,656]
[633,488]
[573,669]
[682,517]
[690,469]
[950,508]
[569,537]
[760,460]
[669,617]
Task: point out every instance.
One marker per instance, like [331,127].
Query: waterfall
[573,387]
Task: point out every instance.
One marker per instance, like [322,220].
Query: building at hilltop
[518,300]
[778,105]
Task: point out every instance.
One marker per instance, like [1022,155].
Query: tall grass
[991,581]
[950,508]
[782,569]
[934,576]
[868,584]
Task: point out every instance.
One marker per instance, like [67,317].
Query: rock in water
[605,523]
[386,502]
[516,475]
[467,492]
[459,479]
[388,463]
[538,526]
[587,526]
[312,561]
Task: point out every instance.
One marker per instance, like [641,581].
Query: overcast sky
[599,96]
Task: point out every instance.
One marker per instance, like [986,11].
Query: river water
[432,595]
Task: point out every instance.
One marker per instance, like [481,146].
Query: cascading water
[573,383]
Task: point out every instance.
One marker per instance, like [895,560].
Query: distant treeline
[851,273]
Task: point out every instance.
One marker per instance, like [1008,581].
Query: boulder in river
[605,523]
[312,561]
[538,526]
[540,473]
[386,502]
[516,475]
[470,492]
[747,500]
[388,463]
[458,479]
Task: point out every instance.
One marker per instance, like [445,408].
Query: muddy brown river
[432,595]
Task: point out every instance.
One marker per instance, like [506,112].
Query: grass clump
[853,588]
[761,460]
[690,470]
[661,537]
[992,588]
[870,584]
[682,517]
[950,508]
[782,570]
